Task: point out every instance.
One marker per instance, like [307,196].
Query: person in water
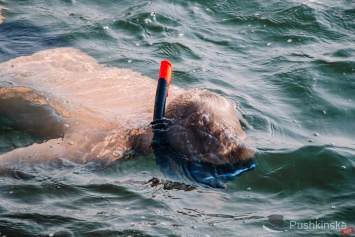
[88,112]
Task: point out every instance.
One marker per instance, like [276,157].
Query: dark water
[290,65]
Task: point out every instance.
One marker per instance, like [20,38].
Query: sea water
[288,65]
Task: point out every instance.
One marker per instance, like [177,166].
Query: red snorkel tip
[165,72]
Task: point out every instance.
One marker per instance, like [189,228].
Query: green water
[12,138]
[290,67]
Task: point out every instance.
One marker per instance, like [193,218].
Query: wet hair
[218,108]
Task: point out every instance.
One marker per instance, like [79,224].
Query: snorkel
[176,165]
[162,90]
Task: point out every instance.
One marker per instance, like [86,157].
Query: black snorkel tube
[160,142]
[162,90]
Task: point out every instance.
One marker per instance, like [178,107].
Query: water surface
[288,65]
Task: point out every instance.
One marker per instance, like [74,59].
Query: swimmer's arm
[141,140]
